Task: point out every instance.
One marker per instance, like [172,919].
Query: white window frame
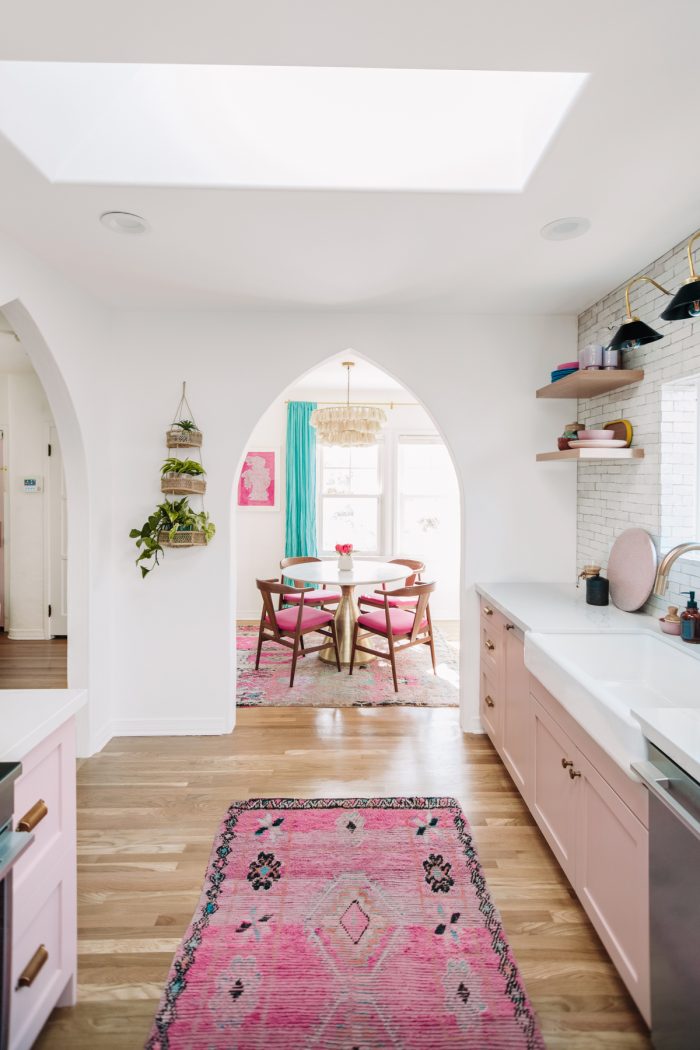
[379,496]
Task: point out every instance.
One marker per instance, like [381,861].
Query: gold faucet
[661,581]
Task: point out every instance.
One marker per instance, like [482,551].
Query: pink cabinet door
[491,707]
[517,742]
[612,878]
[552,791]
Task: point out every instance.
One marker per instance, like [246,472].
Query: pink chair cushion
[401,622]
[287,619]
[394,603]
[313,598]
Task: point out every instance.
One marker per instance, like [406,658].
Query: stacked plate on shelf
[597,439]
[564,370]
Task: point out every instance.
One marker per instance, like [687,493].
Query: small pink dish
[595,435]
[670,626]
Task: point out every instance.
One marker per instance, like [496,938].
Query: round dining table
[363,574]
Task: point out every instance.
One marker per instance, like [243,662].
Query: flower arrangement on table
[344,555]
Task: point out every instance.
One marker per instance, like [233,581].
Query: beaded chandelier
[347,424]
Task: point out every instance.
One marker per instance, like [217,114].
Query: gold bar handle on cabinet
[31,971]
[33,816]
[489,701]
[489,645]
[488,611]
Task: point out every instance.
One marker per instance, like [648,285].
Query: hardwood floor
[149,809]
[33,665]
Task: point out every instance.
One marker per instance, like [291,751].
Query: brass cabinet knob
[573,773]
[566,763]
[31,971]
[33,816]
[510,627]
[488,611]
[489,701]
[489,645]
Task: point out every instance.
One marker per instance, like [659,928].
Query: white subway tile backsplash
[615,496]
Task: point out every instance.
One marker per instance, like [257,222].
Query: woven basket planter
[183,539]
[175,437]
[183,485]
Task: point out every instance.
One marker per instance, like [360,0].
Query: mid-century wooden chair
[314,596]
[408,627]
[376,600]
[287,627]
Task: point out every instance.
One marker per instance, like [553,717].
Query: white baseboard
[473,725]
[101,738]
[169,727]
[26,634]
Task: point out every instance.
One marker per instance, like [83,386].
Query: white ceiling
[627,157]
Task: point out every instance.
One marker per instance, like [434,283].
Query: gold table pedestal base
[345,616]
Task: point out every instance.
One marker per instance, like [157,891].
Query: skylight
[283,126]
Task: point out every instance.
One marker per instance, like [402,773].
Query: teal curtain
[300,536]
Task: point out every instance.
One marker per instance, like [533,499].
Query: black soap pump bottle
[597,590]
[690,620]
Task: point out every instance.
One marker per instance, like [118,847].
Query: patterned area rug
[341,924]
[318,684]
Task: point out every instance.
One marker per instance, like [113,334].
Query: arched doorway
[76,487]
[397,498]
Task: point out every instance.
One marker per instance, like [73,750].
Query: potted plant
[172,524]
[182,477]
[183,434]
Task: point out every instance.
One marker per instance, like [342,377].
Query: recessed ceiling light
[566,229]
[124,222]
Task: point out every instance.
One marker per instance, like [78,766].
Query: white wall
[476,377]
[158,655]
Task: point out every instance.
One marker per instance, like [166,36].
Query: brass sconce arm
[636,280]
[691,242]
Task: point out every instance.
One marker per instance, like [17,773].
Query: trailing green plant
[186,424]
[173,465]
[171,516]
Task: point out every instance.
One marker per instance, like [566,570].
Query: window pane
[353,520]
[424,468]
[349,471]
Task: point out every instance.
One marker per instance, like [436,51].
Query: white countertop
[28,716]
[551,608]
[676,732]
[558,608]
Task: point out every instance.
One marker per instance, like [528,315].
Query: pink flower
[344,548]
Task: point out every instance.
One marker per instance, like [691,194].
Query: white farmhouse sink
[600,677]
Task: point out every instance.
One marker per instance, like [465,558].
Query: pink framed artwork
[259,480]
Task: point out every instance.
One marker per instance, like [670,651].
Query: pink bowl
[595,435]
[669,628]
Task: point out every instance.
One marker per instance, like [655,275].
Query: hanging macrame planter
[183,432]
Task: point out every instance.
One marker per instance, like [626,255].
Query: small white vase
[345,562]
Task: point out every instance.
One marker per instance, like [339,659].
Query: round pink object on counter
[631,569]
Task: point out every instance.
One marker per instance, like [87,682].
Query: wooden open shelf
[592,453]
[591,383]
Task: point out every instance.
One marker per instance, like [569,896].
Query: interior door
[58,545]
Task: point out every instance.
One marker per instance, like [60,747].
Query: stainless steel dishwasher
[674,906]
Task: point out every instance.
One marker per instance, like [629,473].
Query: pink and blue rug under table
[318,684]
[341,924]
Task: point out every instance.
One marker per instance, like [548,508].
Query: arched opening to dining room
[304,488]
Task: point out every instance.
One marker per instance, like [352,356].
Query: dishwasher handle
[658,784]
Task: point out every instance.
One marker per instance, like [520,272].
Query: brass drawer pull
[489,701]
[566,763]
[573,773]
[33,816]
[489,645]
[510,627]
[488,611]
[31,971]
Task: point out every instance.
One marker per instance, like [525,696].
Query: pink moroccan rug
[345,924]
[318,684]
